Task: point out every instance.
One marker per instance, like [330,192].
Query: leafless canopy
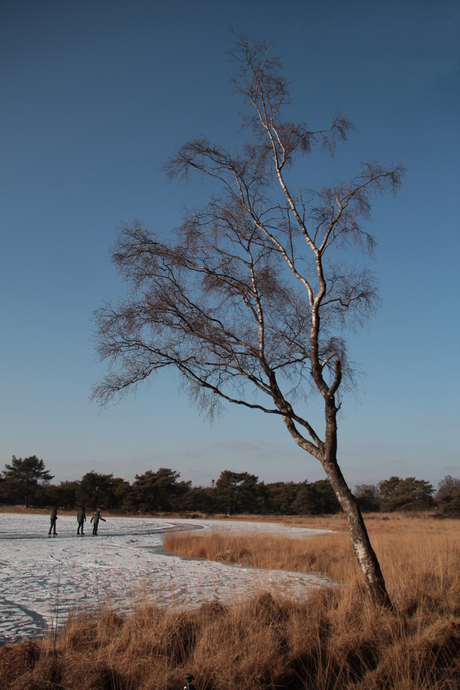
[253,293]
[251,298]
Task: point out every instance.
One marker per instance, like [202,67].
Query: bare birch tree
[251,298]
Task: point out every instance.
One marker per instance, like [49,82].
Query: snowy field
[43,578]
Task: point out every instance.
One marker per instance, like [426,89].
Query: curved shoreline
[45,578]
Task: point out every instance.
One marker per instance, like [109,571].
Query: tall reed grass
[333,639]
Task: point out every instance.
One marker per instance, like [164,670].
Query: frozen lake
[42,578]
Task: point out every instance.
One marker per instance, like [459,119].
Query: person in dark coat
[81,517]
[53,519]
[95,520]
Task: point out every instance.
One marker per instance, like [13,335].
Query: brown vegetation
[334,639]
[404,543]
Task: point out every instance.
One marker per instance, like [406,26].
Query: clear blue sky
[95,95]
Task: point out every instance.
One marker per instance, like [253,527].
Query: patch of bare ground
[333,639]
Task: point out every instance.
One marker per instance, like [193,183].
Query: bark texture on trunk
[362,547]
[360,541]
[326,453]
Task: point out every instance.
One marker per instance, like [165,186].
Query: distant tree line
[28,482]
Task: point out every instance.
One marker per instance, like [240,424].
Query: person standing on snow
[81,517]
[95,520]
[53,519]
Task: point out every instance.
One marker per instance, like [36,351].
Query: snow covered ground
[42,578]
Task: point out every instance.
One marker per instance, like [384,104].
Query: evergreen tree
[237,492]
[23,479]
[406,494]
[154,491]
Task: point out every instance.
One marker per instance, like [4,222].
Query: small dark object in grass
[189,682]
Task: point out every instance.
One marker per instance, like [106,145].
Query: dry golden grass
[332,640]
[402,543]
